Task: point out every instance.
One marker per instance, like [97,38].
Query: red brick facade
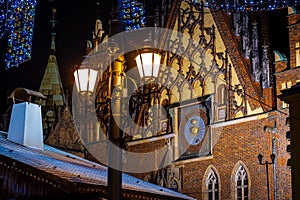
[294,36]
[242,142]
[238,142]
[235,142]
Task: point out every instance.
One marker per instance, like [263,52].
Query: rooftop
[69,172]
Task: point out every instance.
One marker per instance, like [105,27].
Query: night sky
[75,25]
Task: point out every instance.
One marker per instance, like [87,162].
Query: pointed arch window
[221,95]
[241,184]
[212,185]
[174,185]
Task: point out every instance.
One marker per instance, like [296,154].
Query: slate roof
[69,169]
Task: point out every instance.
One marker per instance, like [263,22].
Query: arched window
[174,186]
[221,94]
[211,187]
[241,183]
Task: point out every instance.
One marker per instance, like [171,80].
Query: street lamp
[148,64]
[85,79]
[266,163]
[148,60]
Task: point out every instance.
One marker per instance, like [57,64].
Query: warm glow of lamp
[148,64]
[85,80]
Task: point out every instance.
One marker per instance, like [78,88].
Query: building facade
[220,103]
[231,80]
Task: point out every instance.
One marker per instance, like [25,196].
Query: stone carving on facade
[266,79]
[206,70]
[246,44]
[237,23]
[64,135]
[168,177]
[255,54]
[235,94]
[238,100]
[191,20]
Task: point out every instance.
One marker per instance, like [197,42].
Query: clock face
[194,130]
[191,124]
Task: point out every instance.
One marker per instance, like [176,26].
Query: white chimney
[25,126]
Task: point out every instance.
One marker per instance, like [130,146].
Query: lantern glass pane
[77,81]
[156,65]
[92,80]
[83,79]
[147,63]
[139,66]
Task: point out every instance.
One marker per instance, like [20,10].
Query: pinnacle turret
[53,22]
[51,85]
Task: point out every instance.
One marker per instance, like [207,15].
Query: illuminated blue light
[250,5]
[3,17]
[133,14]
[20,24]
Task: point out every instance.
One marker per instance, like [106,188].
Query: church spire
[98,32]
[53,22]
[51,86]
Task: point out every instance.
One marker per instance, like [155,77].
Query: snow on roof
[75,169]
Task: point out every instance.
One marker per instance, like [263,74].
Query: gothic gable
[215,65]
[65,135]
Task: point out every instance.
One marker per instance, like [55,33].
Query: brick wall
[294,36]
[289,78]
[243,142]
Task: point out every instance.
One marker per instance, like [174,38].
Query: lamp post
[85,81]
[115,134]
[266,163]
[148,65]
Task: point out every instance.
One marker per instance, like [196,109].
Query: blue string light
[249,5]
[17,19]
[3,17]
[20,24]
[133,14]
